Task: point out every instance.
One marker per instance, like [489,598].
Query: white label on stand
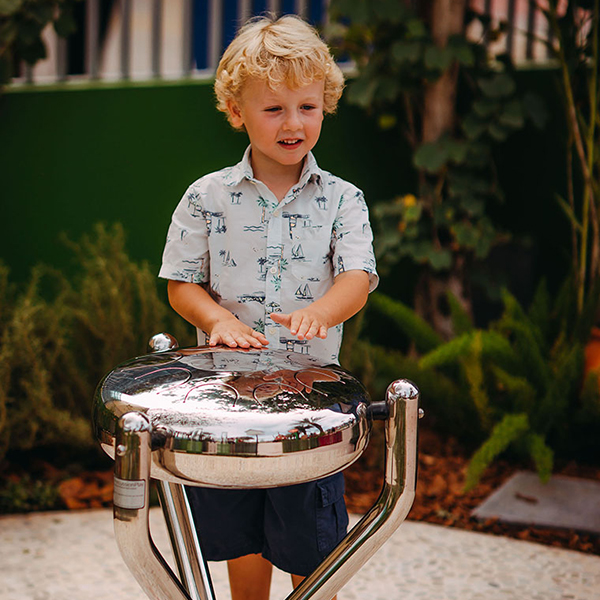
[129,494]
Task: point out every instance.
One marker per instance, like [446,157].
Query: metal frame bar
[186,38]
[156,37]
[92,37]
[531,20]
[125,56]
[193,570]
[215,33]
[510,35]
[244,10]
[61,58]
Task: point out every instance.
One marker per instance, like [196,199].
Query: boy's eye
[272,109]
[308,107]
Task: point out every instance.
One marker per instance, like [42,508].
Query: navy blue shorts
[294,527]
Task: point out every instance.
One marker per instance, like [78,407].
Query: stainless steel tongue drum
[232,418]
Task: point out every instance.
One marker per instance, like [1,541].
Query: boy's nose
[292,121]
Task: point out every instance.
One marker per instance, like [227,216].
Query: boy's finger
[281,318]
[257,335]
[256,340]
[306,330]
[314,330]
[242,341]
[298,325]
[227,339]
[214,340]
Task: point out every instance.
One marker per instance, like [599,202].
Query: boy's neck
[277,177]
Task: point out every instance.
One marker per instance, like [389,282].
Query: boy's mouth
[290,143]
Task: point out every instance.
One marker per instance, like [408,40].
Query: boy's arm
[343,300]
[195,305]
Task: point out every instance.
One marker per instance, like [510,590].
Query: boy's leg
[250,577]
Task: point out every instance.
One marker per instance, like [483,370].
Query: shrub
[519,384]
[59,338]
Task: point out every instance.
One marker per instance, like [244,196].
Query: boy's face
[283,124]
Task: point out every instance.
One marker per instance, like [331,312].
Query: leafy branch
[21,25]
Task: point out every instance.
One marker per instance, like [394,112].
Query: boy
[273,251]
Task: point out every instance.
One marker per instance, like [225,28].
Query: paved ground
[566,502]
[73,556]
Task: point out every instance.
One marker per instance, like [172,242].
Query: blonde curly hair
[284,50]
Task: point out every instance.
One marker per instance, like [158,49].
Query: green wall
[70,157]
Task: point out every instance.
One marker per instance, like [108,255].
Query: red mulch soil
[440,498]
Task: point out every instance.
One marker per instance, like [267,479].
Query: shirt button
[272,330]
[273,270]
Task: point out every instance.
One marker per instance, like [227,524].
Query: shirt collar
[243,170]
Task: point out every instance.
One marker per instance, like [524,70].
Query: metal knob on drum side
[235,418]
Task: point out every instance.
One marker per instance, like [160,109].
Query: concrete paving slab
[73,556]
[563,502]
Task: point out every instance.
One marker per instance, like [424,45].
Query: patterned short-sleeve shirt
[256,255]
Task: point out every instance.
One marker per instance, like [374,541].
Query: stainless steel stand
[132,483]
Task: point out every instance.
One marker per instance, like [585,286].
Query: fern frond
[461,320]
[475,379]
[542,456]
[417,329]
[449,353]
[512,427]
[539,312]
[566,370]
[494,347]
[528,352]
[517,389]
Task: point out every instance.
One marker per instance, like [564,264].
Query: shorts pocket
[332,516]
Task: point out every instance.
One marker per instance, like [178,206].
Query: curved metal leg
[131,505]
[397,496]
[193,570]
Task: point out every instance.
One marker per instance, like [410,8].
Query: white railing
[173,39]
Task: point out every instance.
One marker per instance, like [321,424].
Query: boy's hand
[305,323]
[233,333]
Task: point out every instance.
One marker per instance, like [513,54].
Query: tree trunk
[445,18]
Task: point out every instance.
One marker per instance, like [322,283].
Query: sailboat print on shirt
[298,253]
[303,292]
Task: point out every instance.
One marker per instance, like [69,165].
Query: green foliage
[115,304]
[507,431]
[417,329]
[60,337]
[398,63]
[516,385]
[577,31]
[35,364]
[26,495]
[21,25]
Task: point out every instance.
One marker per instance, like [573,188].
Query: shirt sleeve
[186,254]
[352,237]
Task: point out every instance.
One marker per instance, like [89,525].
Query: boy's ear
[235,113]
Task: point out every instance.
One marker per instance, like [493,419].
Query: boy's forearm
[195,305]
[345,298]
